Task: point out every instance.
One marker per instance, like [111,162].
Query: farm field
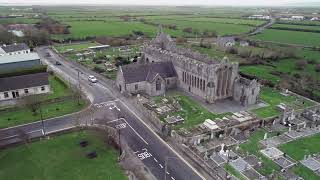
[207,19]
[22,20]
[315,28]
[74,47]
[61,157]
[83,29]
[289,37]
[221,28]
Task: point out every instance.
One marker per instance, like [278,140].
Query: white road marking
[168,173]
[161,166]
[156,135]
[155,159]
[144,155]
[136,152]
[136,132]
[173,178]
[121,126]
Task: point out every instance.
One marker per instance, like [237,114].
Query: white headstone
[265,136]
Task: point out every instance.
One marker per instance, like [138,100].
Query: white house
[298,18]
[24,85]
[314,19]
[226,42]
[14,49]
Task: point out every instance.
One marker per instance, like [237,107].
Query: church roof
[133,73]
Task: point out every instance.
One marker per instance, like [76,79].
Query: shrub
[317,68]
[98,69]
[188,30]
[301,64]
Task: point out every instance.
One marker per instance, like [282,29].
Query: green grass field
[61,158]
[220,28]
[291,26]
[273,98]
[22,115]
[75,47]
[114,29]
[252,147]
[289,37]
[22,20]
[193,113]
[298,148]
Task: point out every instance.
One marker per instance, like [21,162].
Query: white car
[92,79]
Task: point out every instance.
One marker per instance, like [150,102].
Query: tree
[181,40]
[301,64]
[188,30]
[317,68]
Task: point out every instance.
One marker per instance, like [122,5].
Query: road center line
[136,132]
[155,159]
[161,166]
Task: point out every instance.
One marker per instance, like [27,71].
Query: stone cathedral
[167,66]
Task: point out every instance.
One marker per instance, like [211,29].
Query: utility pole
[165,168]
[41,118]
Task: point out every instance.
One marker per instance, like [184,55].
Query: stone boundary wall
[152,116]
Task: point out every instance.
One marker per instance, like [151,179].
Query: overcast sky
[164,2]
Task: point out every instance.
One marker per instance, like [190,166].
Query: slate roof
[19,58]
[15,47]
[133,73]
[222,41]
[24,81]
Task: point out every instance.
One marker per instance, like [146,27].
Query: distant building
[19,61]
[263,17]
[297,18]
[314,19]
[244,43]
[14,49]
[24,85]
[226,42]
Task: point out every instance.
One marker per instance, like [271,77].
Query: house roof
[15,47]
[223,40]
[19,58]
[147,72]
[24,81]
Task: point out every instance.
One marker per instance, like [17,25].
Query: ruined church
[166,66]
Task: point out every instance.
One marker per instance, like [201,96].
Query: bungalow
[24,85]
[152,79]
[19,61]
[14,49]
[226,42]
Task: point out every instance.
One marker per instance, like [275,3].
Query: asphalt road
[155,153]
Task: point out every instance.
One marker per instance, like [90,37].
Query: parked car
[92,79]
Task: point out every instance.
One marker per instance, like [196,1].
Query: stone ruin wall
[217,77]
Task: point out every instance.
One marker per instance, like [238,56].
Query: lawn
[61,158]
[58,88]
[193,113]
[252,147]
[261,72]
[75,47]
[305,146]
[25,115]
[272,98]
[298,148]
[289,37]
[22,114]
